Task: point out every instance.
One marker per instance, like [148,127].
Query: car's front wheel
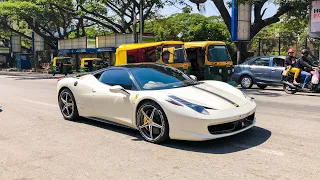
[246,82]
[68,106]
[152,122]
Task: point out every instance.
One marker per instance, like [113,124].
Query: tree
[290,8]
[19,16]
[190,27]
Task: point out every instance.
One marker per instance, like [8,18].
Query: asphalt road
[37,143]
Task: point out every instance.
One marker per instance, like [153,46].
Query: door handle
[273,70]
[93,90]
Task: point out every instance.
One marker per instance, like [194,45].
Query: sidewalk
[43,74]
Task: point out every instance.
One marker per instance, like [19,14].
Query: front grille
[231,126]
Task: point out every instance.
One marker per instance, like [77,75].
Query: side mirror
[193,77]
[119,89]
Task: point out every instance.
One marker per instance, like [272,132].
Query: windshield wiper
[193,83]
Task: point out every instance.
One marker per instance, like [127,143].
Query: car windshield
[67,61]
[218,53]
[97,62]
[160,77]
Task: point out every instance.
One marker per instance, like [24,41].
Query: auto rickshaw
[91,64]
[62,65]
[210,60]
[171,53]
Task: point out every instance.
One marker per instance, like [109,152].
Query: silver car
[263,71]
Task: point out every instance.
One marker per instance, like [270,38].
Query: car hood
[210,96]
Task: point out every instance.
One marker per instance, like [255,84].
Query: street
[37,143]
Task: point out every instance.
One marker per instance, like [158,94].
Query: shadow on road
[111,127]
[307,94]
[262,92]
[239,142]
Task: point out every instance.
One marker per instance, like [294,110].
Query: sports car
[159,101]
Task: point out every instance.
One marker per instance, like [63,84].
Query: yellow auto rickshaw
[171,53]
[62,65]
[210,60]
[91,64]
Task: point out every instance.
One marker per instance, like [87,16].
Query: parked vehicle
[263,71]
[91,64]
[171,53]
[210,60]
[62,65]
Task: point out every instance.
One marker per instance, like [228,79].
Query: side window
[278,62]
[114,77]
[261,62]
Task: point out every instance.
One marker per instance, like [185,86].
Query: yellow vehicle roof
[126,47]
[197,44]
[92,59]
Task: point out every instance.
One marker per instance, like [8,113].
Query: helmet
[305,52]
[290,51]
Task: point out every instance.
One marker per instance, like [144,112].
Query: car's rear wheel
[246,82]
[68,106]
[152,122]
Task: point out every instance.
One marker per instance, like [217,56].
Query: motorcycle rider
[306,66]
[292,66]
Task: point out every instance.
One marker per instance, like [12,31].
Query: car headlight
[180,102]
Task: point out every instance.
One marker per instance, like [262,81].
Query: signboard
[244,22]
[38,42]
[314,21]
[91,50]
[240,21]
[76,43]
[114,40]
[15,44]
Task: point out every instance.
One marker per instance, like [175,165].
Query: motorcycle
[312,87]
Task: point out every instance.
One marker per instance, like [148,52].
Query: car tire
[246,82]
[68,106]
[262,86]
[150,116]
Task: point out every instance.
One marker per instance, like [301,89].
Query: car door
[260,68]
[82,91]
[113,106]
[278,65]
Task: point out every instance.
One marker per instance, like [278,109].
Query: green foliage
[293,32]
[188,27]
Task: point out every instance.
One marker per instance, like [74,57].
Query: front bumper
[220,123]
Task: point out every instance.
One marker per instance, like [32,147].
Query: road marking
[37,102]
[264,150]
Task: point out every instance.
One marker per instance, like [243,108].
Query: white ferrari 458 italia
[158,100]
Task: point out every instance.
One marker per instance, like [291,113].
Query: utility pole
[34,46]
[141,20]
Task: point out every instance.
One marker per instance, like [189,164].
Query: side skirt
[110,122]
